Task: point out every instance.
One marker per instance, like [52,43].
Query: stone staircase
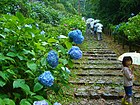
[98,79]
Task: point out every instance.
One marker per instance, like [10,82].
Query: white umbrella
[89,20]
[98,25]
[135,57]
[96,21]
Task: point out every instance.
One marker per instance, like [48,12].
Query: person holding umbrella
[128,79]
[129,60]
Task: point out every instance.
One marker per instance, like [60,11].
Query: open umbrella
[97,21]
[98,25]
[135,57]
[89,20]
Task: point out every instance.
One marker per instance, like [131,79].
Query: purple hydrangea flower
[43,102]
[75,53]
[76,36]
[56,103]
[52,58]
[46,78]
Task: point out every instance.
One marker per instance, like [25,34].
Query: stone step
[100,101]
[100,55]
[96,62]
[99,52]
[98,49]
[97,73]
[104,91]
[81,80]
[93,67]
[94,95]
[99,58]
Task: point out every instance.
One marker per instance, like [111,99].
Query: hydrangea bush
[26,53]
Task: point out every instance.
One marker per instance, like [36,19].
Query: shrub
[23,53]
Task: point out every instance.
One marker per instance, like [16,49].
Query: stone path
[98,79]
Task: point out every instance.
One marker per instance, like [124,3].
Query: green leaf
[43,61]
[20,57]
[20,83]
[11,54]
[68,44]
[37,87]
[64,61]
[1,102]
[8,101]
[31,65]
[70,63]
[2,36]
[2,57]
[40,47]
[2,83]
[29,72]
[62,49]
[52,40]
[38,97]
[6,30]
[20,16]
[28,52]
[25,102]
[3,75]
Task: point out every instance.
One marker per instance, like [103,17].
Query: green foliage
[132,29]
[73,22]
[23,58]
[29,30]
[129,30]
[112,11]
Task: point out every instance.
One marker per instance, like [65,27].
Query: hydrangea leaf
[8,101]
[37,87]
[31,65]
[2,102]
[25,102]
[51,40]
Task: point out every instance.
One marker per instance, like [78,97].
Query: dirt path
[98,79]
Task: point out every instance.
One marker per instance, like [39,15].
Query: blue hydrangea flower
[79,39]
[73,48]
[76,36]
[52,58]
[56,103]
[46,78]
[75,53]
[43,102]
